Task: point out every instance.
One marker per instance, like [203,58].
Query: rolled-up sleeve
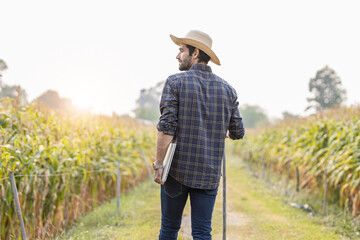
[168,109]
[236,126]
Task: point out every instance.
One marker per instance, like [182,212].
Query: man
[197,108]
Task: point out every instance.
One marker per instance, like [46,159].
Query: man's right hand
[158,175]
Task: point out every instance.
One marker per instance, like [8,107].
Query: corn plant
[329,141]
[65,164]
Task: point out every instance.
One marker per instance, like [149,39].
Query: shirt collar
[201,67]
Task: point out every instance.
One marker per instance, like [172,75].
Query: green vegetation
[254,212]
[147,105]
[65,163]
[253,116]
[328,142]
[138,218]
[53,100]
[326,90]
[11,91]
[258,212]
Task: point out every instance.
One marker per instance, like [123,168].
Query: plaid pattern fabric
[201,107]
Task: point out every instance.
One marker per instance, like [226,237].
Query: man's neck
[196,62]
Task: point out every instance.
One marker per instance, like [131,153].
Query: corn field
[65,164]
[329,141]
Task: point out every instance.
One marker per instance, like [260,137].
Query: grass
[338,219]
[254,211]
[265,214]
[138,218]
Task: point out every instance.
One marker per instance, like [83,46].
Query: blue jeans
[173,199]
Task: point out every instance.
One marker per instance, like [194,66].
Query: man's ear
[196,53]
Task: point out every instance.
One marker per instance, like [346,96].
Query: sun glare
[83,102]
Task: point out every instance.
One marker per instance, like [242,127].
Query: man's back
[203,107]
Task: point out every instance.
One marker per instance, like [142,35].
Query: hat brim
[199,45]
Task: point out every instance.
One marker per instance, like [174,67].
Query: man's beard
[185,64]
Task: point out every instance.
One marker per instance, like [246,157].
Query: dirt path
[233,219]
[255,212]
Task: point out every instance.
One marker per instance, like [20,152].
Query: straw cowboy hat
[199,40]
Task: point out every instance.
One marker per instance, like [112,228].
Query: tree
[253,116]
[14,92]
[53,100]
[11,91]
[3,67]
[327,90]
[287,114]
[148,103]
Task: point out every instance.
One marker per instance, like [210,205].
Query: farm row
[325,147]
[65,164]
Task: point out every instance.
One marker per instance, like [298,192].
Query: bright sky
[101,53]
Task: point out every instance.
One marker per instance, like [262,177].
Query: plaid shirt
[199,107]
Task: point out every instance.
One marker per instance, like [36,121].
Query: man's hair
[203,57]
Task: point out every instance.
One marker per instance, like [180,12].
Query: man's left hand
[158,175]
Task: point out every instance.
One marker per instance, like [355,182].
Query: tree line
[325,89]
[50,98]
